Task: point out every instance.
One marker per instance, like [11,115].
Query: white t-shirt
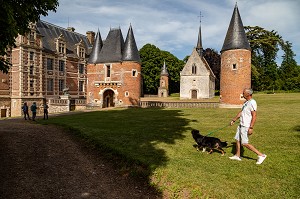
[246,116]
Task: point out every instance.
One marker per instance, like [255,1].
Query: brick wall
[235,75]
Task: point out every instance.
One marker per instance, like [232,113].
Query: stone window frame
[126,93]
[52,63]
[81,86]
[50,84]
[194,69]
[61,65]
[134,73]
[61,45]
[81,68]
[61,84]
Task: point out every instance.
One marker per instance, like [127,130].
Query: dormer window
[32,35]
[81,52]
[80,49]
[61,45]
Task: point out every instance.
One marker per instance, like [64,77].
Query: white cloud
[173,25]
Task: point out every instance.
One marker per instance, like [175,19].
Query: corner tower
[235,63]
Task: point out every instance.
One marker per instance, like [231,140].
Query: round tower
[235,63]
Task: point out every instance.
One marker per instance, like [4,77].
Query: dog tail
[223,144]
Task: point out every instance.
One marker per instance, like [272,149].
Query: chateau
[50,63]
[71,71]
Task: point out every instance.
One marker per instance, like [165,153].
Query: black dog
[208,142]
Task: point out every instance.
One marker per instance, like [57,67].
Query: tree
[152,60]
[264,46]
[289,70]
[213,59]
[15,17]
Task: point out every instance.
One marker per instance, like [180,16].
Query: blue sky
[172,25]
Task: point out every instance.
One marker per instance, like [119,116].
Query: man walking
[247,120]
[25,111]
[33,110]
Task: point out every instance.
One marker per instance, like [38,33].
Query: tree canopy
[152,61]
[15,17]
[266,74]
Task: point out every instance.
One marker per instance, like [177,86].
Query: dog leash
[217,130]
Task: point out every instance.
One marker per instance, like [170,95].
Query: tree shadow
[132,138]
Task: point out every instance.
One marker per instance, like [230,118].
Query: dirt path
[39,161]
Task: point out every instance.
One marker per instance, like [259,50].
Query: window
[31,36]
[61,65]
[31,83]
[81,52]
[194,69]
[134,73]
[81,83]
[126,94]
[49,64]
[50,85]
[234,66]
[81,68]
[107,70]
[31,56]
[61,47]
[61,85]
[31,70]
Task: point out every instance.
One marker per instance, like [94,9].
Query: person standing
[33,110]
[25,111]
[45,110]
[247,120]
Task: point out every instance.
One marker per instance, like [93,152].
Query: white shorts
[242,134]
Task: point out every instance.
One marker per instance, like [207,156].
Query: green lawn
[160,140]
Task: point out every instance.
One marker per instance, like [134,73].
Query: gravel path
[38,161]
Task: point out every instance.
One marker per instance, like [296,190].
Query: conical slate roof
[130,52]
[113,47]
[94,56]
[164,70]
[199,47]
[236,36]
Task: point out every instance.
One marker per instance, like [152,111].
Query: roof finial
[200,16]
[199,47]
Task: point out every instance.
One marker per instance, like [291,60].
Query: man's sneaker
[235,158]
[261,159]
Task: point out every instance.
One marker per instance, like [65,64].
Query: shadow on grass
[136,139]
[233,150]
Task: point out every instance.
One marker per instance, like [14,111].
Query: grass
[160,141]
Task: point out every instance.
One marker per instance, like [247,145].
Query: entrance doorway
[108,99]
[194,94]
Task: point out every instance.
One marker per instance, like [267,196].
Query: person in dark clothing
[45,110]
[33,110]
[25,111]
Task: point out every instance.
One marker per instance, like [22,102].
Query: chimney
[71,29]
[91,36]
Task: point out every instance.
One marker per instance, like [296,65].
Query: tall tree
[15,17]
[289,70]
[264,45]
